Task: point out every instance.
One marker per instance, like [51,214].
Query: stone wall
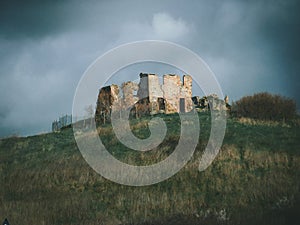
[143,91]
[186,92]
[151,97]
[211,102]
[130,97]
[177,94]
[106,98]
[150,91]
[154,88]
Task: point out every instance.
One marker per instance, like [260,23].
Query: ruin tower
[186,93]
[171,84]
[177,94]
[106,98]
[150,92]
[129,90]
[149,86]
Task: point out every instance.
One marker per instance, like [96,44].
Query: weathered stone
[215,103]
[150,89]
[178,95]
[226,99]
[151,97]
[129,97]
[107,97]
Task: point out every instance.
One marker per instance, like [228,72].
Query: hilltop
[254,180]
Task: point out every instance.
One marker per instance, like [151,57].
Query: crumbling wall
[171,84]
[141,108]
[214,103]
[129,90]
[150,91]
[186,93]
[143,91]
[154,87]
[155,93]
[151,97]
[200,103]
[177,94]
[106,98]
[211,102]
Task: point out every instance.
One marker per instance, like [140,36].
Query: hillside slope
[254,180]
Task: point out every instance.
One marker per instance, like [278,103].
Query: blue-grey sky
[45,47]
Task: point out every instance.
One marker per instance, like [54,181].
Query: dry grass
[255,122]
[45,180]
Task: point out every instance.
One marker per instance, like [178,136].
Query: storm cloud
[45,47]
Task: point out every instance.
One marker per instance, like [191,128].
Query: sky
[46,46]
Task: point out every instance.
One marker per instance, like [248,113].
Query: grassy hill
[254,180]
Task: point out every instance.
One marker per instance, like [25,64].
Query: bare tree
[90,113]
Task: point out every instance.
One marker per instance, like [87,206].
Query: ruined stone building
[211,101]
[147,97]
[150,96]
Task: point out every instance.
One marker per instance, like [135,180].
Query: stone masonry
[108,96]
[149,97]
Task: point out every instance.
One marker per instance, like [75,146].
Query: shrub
[265,106]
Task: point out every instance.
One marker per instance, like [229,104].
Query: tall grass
[253,180]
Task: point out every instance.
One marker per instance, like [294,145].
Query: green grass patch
[255,179]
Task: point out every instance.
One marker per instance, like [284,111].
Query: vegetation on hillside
[265,106]
[255,179]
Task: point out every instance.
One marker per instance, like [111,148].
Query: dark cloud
[279,27]
[45,47]
[32,19]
